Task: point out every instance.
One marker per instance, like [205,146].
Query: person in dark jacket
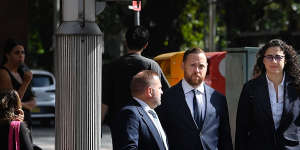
[268,115]
[137,126]
[194,115]
[118,74]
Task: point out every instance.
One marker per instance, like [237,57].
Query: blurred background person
[118,74]
[15,75]
[268,115]
[10,110]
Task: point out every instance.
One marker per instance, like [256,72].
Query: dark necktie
[197,114]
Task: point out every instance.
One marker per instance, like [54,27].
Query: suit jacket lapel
[208,93]
[263,98]
[290,95]
[186,116]
[151,127]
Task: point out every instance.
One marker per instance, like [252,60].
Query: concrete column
[70,10]
[78,66]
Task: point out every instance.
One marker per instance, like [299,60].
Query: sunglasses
[274,57]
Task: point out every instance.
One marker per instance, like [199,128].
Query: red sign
[136,6]
[215,76]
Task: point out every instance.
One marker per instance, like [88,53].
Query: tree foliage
[257,21]
[179,24]
[193,23]
[40,34]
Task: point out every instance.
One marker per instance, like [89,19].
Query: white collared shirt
[277,107]
[156,123]
[189,95]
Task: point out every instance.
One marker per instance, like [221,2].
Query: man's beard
[193,81]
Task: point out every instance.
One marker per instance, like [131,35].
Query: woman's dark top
[28,95]
[25,142]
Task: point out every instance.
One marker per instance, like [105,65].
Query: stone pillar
[78,68]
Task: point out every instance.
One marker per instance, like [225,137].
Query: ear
[182,65]
[149,91]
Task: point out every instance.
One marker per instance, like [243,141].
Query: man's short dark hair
[141,81]
[137,37]
[192,51]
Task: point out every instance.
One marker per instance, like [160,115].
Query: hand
[19,116]
[27,76]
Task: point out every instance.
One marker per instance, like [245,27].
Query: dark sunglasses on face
[274,57]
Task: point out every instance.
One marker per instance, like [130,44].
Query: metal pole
[137,18]
[136,12]
[78,67]
[212,25]
[56,16]
[56,22]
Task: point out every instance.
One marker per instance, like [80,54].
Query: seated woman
[10,110]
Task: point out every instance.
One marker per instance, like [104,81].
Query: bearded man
[194,115]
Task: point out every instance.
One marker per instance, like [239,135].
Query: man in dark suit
[195,116]
[138,127]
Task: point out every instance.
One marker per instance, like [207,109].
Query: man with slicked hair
[194,115]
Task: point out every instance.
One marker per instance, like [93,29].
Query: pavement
[44,137]
[106,143]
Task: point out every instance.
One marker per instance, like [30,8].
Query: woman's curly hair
[291,66]
[9,104]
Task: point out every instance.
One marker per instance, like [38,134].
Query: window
[41,80]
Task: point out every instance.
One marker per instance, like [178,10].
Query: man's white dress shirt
[189,95]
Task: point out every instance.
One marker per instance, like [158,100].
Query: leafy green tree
[250,22]
[193,23]
[40,34]
[178,24]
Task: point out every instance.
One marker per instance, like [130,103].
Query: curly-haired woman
[10,110]
[268,115]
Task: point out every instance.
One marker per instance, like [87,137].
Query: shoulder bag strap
[14,128]
[17,134]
